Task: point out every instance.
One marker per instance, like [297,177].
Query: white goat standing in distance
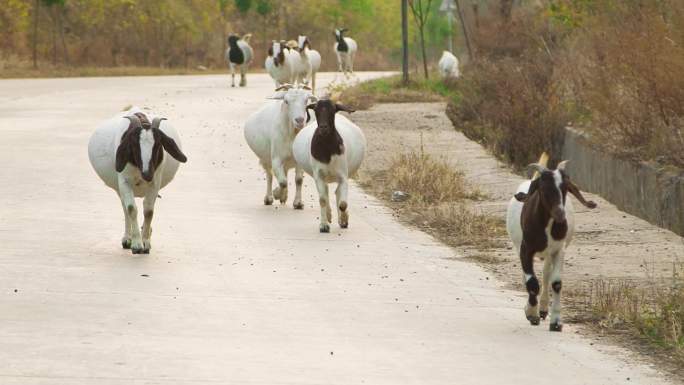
[345,48]
[279,65]
[239,54]
[310,62]
[448,66]
[540,221]
[269,133]
[128,154]
[330,150]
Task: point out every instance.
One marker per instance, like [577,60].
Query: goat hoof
[268,201]
[325,228]
[534,320]
[556,327]
[126,244]
[145,251]
[344,225]
[138,251]
[298,206]
[543,314]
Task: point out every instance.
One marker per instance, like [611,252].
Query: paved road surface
[235,292]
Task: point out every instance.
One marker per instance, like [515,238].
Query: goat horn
[135,121]
[284,87]
[537,167]
[156,122]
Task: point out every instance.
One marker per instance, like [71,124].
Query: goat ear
[578,194]
[534,186]
[280,95]
[521,196]
[562,165]
[341,107]
[122,154]
[171,147]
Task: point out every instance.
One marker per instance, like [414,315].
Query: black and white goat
[345,48]
[541,223]
[239,54]
[128,154]
[279,65]
[330,150]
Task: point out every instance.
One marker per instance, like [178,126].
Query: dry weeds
[438,200]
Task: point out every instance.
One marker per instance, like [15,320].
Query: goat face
[277,52]
[553,186]
[295,101]
[303,42]
[232,40]
[325,111]
[552,192]
[143,146]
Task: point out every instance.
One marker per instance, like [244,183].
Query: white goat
[345,48]
[448,66]
[541,223]
[311,61]
[269,133]
[240,54]
[279,65]
[127,153]
[330,150]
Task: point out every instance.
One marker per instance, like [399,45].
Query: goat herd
[289,62]
[128,152]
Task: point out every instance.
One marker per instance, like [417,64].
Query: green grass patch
[393,90]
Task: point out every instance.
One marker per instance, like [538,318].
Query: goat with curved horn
[540,222]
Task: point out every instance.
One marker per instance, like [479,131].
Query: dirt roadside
[609,244]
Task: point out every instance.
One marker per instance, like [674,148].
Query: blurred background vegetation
[191,33]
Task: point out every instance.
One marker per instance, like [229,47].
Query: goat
[269,133]
[330,150]
[345,48]
[240,54]
[540,221]
[311,61]
[448,66]
[127,153]
[279,65]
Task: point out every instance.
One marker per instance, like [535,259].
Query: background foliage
[188,33]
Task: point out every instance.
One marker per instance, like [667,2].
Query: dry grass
[457,224]
[391,90]
[653,310]
[428,180]
[13,69]
[439,200]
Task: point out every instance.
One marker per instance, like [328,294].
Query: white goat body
[105,140]
[448,66]
[283,73]
[269,132]
[130,182]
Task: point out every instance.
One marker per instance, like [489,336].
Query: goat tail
[543,161]
[247,37]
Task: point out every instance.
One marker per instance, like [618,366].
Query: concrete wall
[642,189]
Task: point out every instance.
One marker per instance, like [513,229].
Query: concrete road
[235,292]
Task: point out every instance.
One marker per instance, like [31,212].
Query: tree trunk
[54,35]
[422,47]
[461,18]
[65,52]
[36,11]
